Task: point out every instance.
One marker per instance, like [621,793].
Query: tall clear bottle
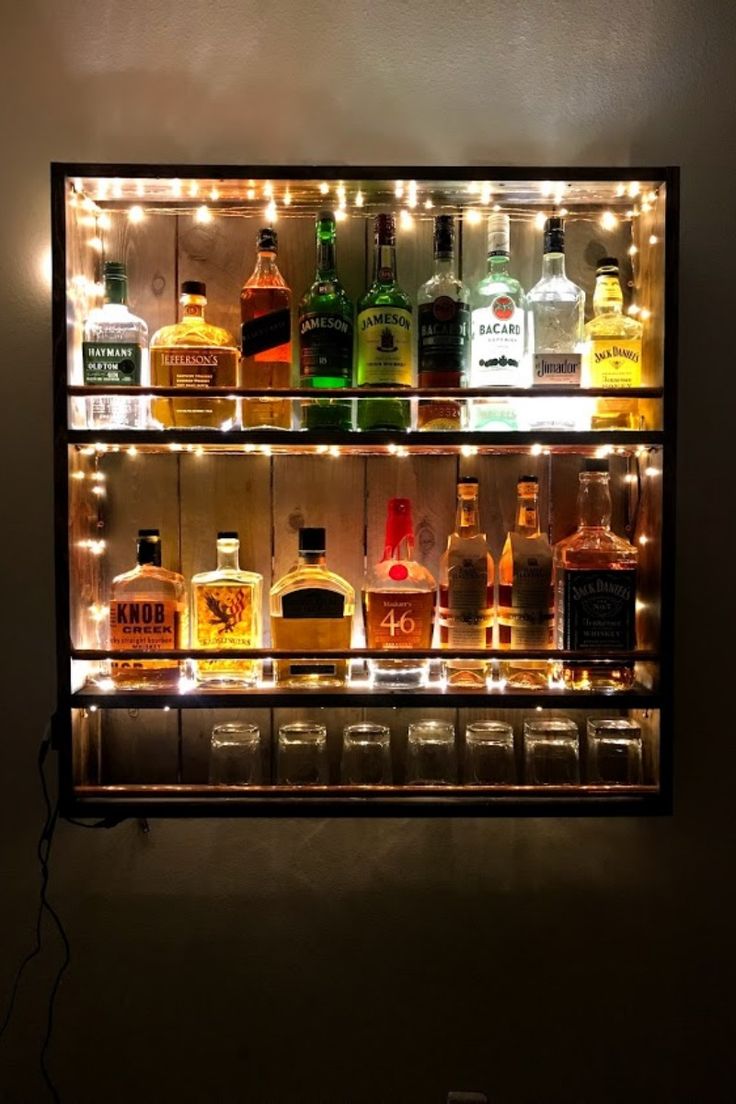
[385,336]
[326,335]
[398,604]
[500,330]
[444,332]
[265,333]
[525,594]
[115,354]
[226,614]
[613,350]
[595,576]
[465,614]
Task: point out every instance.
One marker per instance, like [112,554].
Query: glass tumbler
[301,754]
[366,755]
[615,752]
[551,752]
[431,757]
[235,754]
[489,753]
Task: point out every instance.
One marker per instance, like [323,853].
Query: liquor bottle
[595,590]
[326,335]
[385,336]
[194,353]
[226,613]
[557,308]
[115,353]
[500,327]
[147,614]
[311,611]
[444,332]
[398,604]
[525,594]
[265,312]
[465,614]
[613,350]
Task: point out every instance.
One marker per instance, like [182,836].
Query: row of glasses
[551,753]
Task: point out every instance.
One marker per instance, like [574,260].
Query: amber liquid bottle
[265,362]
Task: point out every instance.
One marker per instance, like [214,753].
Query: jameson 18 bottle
[265,335]
[444,331]
[326,335]
[385,336]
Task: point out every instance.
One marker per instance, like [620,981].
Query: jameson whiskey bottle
[444,331]
[595,589]
[613,350]
[525,594]
[398,604]
[465,614]
[265,312]
[194,353]
[226,613]
[311,611]
[385,336]
[326,335]
[115,353]
[147,612]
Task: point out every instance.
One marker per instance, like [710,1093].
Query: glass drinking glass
[431,758]
[615,752]
[489,753]
[366,755]
[235,754]
[301,754]
[551,752]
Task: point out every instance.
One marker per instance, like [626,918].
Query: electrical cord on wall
[43,852]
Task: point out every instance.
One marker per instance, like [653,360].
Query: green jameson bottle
[385,336]
[326,335]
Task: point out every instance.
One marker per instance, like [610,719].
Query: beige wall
[356,963]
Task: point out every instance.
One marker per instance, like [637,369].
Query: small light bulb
[203,214]
[485,194]
[132,450]
[175,188]
[563,211]
[117,188]
[535,450]
[496,206]
[214,194]
[97,244]
[540,220]
[643,539]
[78,475]
[340,215]
[334,451]
[193,188]
[136,213]
[359,199]
[268,190]
[271,212]
[651,472]
[608,221]
[399,189]
[634,309]
[653,239]
[428,205]
[633,250]
[634,188]
[324,188]
[412,197]
[251,193]
[645,314]
[140,188]
[102,187]
[405,220]
[287,199]
[620,189]
[472,216]
[104,221]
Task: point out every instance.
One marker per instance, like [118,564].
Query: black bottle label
[325,346]
[444,338]
[312,602]
[598,609]
[266,332]
[110,362]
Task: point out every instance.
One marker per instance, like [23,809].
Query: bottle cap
[385,230]
[595,466]
[467,479]
[554,235]
[607,262]
[154,534]
[527,479]
[114,270]
[228,534]
[499,234]
[149,547]
[194,287]
[312,539]
[267,240]
[444,235]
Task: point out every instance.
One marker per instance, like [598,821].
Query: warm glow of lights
[97,244]
[324,188]
[496,206]
[117,188]
[78,475]
[633,250]
[45,266]
[608,221]
[653,239]
[540,220]
[334,451]
[639,605]
[287,199]
[132,450]
[428,205]
[193,188]
[268,190]
[391,448]
[99,491]
[93,709]
[359,199]
[250,193]
[634,309]
[412,197]
[645,314]
[643,539]
[535,450]
[175,447]
[266,450]
[651,472]
[603,451]
[102,187]
[563,211]
[271,212]
[620,189]
[546,187]
[468,450]
[340,191]
[340,215]
[634,188]
[485,193]
[203,214]
[214,194]
[249,447]
[402,452]
[630,478]
[136,213]
[472,216]
[140,188]
[96,547]
[175,188]
[89,204]
[186,684]
[104,221]
[399,189]
[405,220]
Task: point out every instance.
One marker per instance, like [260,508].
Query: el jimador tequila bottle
[398,604]
[226,614]
[311,611]
[613,350]
[443,332]
[385,336]
[465,614]
[265,333]
[326,335]
[115,353]
[147,615]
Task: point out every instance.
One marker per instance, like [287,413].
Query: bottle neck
[527,515]
[594,503]
[192,306]
[326,264]
[311,559]
[384,264]
[228,556]
[149,553]
[498,264]
[608,298]
[116,292]
[266,263]
[444,264]
[553,264]
[467,522]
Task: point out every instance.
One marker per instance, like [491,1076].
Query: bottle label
[525,608]
[498,343]
[112,363]
[203,367]
[396,620]
[224,617]
[385,346]
[556,370]
[325,346]
[312,602]
[143,625]
[615,362]
[468,617]
[597,609]
[266,332]
[444,338]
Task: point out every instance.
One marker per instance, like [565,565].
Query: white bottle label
[498,344]
[557,370]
